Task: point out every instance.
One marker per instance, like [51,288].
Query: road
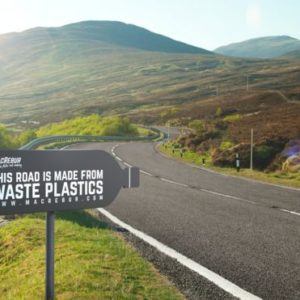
[245,231]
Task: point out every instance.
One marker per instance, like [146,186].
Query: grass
[142,131]
[287,179]
[232,118]
[91,262]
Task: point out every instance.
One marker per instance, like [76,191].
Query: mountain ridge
[261,47]
[111,32]
[50,74]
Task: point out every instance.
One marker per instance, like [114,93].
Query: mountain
[77,65]
[106,32]
[264,47]
[51,74]
[127,35]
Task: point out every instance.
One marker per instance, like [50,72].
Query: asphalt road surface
[245,231]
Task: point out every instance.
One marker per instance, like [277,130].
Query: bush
[225,145]
[26,136]
[6,141]
[169,113]
[227,158]
[90,125]
[197,125]
[221,125]
[219,112]
[232,118]
[263,156]
[117,126]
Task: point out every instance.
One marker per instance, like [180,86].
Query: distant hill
[292,55]
[264,47]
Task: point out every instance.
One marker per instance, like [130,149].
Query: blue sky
[203,23]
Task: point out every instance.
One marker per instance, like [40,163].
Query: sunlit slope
[77,65]
[51,74]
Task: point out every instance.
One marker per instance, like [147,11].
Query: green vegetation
[263,154]
[219,112]
[225,145]
[91,262]
[232,118]
[197,125]
[281,178]
[84,68]
[169,113]
[26,136]
[142,131]
[189,156]
[90,125]
[6,141]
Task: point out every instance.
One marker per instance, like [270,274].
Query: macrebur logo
[9,162]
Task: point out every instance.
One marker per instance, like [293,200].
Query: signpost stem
[50,255]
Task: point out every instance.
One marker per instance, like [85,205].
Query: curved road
[245,231]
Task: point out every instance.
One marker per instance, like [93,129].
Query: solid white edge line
[219,281]
[146,173]
[227,196]
[290,212]
[173,182]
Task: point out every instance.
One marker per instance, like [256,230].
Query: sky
[203,23]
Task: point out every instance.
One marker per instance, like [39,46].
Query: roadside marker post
[251,151]
[49,181]
[237,162]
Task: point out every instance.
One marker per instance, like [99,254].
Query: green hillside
[51,74]
[264,47]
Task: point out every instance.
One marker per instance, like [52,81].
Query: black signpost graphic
[38,181]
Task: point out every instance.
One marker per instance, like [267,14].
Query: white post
[251,151]
[168,133]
